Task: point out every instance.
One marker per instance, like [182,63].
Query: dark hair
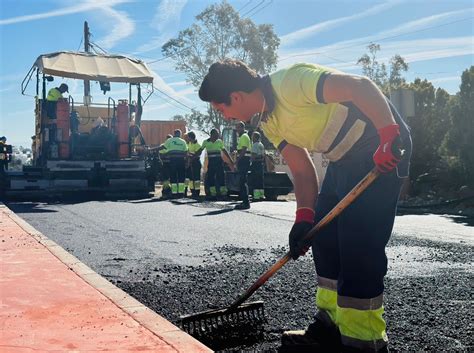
[191,135]
[214,131]
[225,77]
[64,87]
[177,133]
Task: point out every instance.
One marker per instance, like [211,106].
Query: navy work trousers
[351,249]
[243,167]
[177,170]
[256,175]
[215,173]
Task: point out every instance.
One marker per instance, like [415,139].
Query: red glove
[388,153]
[303,224]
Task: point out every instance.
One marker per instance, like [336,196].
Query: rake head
[226,324]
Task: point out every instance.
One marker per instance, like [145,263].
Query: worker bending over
[346,117]
[54,94]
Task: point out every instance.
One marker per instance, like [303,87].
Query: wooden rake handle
[336,211]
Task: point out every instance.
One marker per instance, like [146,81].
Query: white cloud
[12,77]
[122,25]
[190,90]
[292,38]
[167,12]
[178,83]
[411,50]
[68,10]
[13,87]
[351,50]
[159,83]
[446,79]
[166,22]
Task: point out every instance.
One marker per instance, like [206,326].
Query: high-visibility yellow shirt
[193,147]
[298,118]
[244,141]
[213,148]
[54,94]
[176,147]
[216,146]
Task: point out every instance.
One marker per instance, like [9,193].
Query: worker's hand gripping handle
[336,211]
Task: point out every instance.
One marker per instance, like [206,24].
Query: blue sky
[435,37]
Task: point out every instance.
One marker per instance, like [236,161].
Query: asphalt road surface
[182,257]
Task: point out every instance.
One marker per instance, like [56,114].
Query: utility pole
[87,85]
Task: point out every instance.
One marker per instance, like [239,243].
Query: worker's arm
[363,93]
[305,181]
[197,154]
[370,100]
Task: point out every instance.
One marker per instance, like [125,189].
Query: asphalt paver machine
[86,147]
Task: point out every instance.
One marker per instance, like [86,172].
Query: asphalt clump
[431,312]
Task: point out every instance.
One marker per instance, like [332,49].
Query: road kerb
[153,322]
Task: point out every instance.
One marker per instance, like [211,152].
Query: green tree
[458,144]
[218,33]
[428,126]
[377,71]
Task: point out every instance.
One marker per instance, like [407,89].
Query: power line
[260,9]
[169,56]
[96,45]
[79,47]
[173,104]
[253,8]
[248,2]
[377,40]
[167,95]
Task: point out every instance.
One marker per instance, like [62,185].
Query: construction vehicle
[277,175]
[84,146]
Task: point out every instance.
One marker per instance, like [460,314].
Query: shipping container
[155,131]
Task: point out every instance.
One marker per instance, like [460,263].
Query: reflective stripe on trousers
[359,321]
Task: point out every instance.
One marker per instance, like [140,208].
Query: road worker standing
[346,117]
[244,147]
[193,171]
[177,150]
[257,167]
[165,171]
[215,167]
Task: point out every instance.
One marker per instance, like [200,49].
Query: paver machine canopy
[62,128]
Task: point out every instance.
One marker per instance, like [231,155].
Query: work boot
[318,336]
[242,206]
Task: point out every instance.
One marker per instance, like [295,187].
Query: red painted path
[51,302]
